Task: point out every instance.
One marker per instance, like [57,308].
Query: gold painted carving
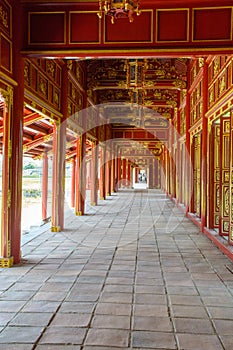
[56,98]
[69,64]
[3,17]
[216,66]
[222,84]
[51,68]
[211,98]
[69,108]
[26,74]
[201,62]
[42,87]
[8,96]
[180,84]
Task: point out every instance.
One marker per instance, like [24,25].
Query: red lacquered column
[72,198]
[6,259]
[108,173]
[45,186]
[94,174]
[58,181]
[204,149]
[102,173]
[16,159]
[80,183]
[113,172]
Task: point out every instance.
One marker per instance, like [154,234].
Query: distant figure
[139,177]
[144,178]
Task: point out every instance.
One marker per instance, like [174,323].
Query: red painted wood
[5,185]
[94,174]
[204,149]
[16,138]
[72,199]
[45,186]
[102,181]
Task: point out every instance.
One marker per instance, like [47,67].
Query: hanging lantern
[119,9]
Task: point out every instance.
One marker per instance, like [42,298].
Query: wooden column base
[6,262]
[79,213]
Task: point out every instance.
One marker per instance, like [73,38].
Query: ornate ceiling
[137,92]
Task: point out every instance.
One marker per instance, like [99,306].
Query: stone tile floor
[133,273]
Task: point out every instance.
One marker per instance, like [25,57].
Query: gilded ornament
[216,66]
[227,126]
[51,68]
[33,104]
[201,62]
[26,74]
[194,71]
[3,17]
[42,87]
[8,97]
[149,84]
[73,93]
[78,73]
[180,84]
[211,98]
[171,103]
[56,98]
[222,84]
[122,84]
[226,201]
[69,64]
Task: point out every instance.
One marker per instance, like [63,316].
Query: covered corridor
[132,273]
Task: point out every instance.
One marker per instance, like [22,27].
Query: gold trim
[220,103]
[132,42]
[79,213]
[6,262]
[88,42]
[211,8]
[35,102]
[55,229]
[49,13]
[121,52]
[157,25]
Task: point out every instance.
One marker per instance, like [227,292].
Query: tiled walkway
[133,273]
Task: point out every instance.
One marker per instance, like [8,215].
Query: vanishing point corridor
[133,273]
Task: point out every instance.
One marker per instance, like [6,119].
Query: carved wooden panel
[5,37]
[216,174]
[224,176]
[231,185]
